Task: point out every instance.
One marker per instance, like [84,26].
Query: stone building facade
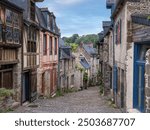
[147,82]
[82,67]
[67,68]
[90,55]
[130,45]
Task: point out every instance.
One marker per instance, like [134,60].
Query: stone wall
[147,82]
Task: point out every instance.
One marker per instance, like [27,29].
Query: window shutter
[120,31]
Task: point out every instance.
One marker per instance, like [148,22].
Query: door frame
[27,92]
[137,63]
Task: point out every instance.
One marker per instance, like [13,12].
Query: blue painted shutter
[115,79]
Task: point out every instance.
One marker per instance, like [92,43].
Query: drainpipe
[58,83]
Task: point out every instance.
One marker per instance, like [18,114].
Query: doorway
[139,79]
[26,87]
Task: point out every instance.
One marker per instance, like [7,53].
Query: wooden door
[51,82]
[33,81]
[26,87]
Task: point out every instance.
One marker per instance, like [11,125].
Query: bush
[4,93]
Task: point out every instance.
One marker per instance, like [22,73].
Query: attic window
[32,11]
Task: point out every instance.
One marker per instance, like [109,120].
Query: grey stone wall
[147,82]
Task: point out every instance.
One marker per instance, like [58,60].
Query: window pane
[16,20]
[0,32]
[16,35]
[55,46]
[44,45]
[9,17]
[9,34]
[50,45]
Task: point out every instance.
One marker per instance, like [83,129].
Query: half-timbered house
[31,39]
[11,18]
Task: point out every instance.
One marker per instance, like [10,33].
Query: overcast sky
[78,16]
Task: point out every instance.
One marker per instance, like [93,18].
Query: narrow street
[87,101]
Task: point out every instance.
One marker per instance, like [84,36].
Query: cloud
[68,2]
[82,25]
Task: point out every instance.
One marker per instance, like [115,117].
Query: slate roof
[90,50]
[141,19]
[40,17]
[22,4]
[84,63]
[65,50]
[61,42]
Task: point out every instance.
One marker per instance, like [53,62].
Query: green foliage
[100,82]
[111,103]
[148,18]
[85,77]
[59,93]
[74,47]
[71,39]
[5,93]
[79,68]
[75,38]
[6,110]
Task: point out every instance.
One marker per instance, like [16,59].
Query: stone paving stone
[86,101]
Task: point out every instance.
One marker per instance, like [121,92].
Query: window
[32,11]
[0,26]
[56,46]
[16,20]
[72,63]
[50,45]
[9,17]
[31,46]
[118,89]
[68,64]
[1,51]
[72,80]
[16,35]
[118,32]
[44,44]
[6,75]
[1,31]
[12,32]
[51,23]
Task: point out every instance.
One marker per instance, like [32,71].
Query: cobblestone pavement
[86,101]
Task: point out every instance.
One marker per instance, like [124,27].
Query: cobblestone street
[86,101]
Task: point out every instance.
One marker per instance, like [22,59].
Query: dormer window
[32,11]
[51,24]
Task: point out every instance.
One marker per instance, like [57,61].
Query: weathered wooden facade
[11,19]
[49,38]
[30,49]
